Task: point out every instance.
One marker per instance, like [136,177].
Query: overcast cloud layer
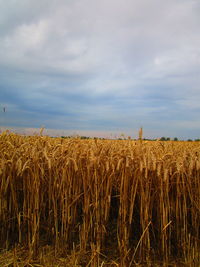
[104,66]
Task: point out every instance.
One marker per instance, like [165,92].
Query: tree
[165,138]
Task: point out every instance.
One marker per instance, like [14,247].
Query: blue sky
[101,67]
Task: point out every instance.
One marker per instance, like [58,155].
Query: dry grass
[98,202]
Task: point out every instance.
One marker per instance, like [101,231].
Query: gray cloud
[101,65]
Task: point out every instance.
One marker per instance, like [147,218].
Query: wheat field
[99,202]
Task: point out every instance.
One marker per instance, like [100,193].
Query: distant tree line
[82,137]
[176,139]
[163,138]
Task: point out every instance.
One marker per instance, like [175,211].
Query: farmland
[99,202]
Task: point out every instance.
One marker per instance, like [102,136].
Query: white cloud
[101,35]
[133,50]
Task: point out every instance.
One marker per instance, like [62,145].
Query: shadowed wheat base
[99,202]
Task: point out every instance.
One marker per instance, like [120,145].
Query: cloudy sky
[103,66]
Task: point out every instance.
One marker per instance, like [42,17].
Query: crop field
[98,202]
